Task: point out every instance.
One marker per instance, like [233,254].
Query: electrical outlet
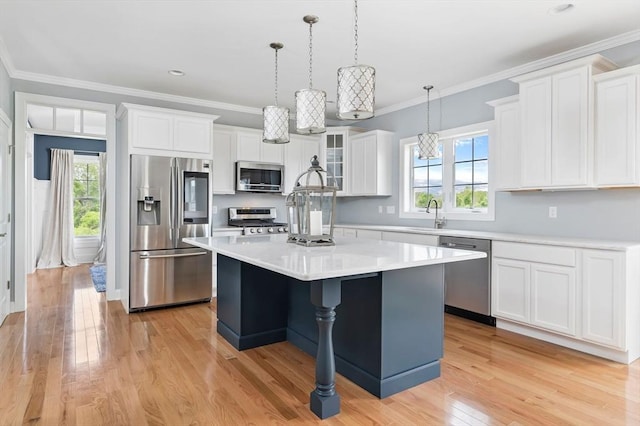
[379,209]
[553,212]
[214,210]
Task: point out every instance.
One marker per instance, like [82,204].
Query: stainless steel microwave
[259,177]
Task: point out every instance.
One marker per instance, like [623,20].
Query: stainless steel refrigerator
[170,200]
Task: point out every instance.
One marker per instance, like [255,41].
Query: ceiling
[223,46]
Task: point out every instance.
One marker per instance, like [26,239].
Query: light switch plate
[391,209]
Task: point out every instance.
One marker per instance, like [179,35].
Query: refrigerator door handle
[164,256]
[173,204]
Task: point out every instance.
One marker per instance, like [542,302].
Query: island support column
[325,296]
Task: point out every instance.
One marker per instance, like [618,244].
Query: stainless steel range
[256,220]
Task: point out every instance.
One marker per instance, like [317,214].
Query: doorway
[65,111]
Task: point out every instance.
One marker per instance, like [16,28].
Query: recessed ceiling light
[176,73]
[561,8]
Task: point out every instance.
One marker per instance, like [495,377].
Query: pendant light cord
[355,32]
[310,56]
[428,109]
[276,85]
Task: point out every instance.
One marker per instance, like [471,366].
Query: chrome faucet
[438,223]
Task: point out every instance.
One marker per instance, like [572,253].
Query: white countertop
[503,236]
[350,256]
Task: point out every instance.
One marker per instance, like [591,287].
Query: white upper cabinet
[165,132]
[507,143]
[370,163]
[336,156]
[251,148]
[556,119]
[297,157]
[617,127]
[224,159]
[360,162]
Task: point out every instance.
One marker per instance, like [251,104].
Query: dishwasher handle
[459,245]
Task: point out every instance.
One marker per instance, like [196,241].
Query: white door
[5,210]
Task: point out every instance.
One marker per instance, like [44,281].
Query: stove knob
[252,230]
[270,230]
[281,229]
[286,229]
[259,231]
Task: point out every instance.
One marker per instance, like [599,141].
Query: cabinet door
[152,130]
[297,158]
[553,298]
[507,162]
[363,165]
[535,116]
[616,131]
[510,289]
[251,148]
[271,152]
[569,127]
[335,158]
[192,135]
[224,150]
[603,299]
[248,146]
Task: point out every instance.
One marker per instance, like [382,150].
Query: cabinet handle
[4,234]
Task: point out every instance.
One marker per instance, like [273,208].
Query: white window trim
[447,176]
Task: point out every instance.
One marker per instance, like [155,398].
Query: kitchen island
[378,303]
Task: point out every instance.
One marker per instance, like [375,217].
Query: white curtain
[101,257]
[57,248]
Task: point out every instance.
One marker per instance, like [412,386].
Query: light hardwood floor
[74,359]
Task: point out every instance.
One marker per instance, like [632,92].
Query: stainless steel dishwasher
[467,291]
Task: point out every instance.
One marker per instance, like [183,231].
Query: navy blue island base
[381,330]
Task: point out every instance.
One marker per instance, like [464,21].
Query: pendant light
[428,142]
[276,119]
[356,86]
[311,104]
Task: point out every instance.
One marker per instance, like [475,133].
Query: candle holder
[311,206]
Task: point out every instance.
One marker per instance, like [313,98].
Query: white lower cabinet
[511,284]
[553,298]
[603,303]
[586,299]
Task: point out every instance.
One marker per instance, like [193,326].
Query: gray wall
[6,96]
[612,214]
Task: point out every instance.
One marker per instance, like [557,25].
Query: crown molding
[89,85]
[569,55]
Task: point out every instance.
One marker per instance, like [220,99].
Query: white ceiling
[222,45]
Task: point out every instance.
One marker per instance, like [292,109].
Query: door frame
[8,184]
[21,157]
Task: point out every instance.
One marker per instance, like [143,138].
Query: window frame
[447,138]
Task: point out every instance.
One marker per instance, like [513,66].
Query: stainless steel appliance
[170,200]
[256,220]
[259,177]
[467,284]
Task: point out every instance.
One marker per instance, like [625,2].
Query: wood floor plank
[76,359]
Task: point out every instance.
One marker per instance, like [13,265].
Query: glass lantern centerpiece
[311,206]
